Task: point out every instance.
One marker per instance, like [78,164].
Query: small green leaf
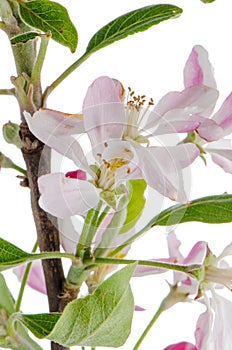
[136,204]
[211,210]
[101,319]
[132,22]
[6,300]
[23,38]
[46,16]
[10,255]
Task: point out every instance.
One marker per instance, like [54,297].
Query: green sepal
[136,204]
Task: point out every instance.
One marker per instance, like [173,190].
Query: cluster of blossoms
[120,129]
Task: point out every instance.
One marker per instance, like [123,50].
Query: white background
[152,64]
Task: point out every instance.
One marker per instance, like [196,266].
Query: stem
[149,326]
[51,255]
[24,281]
[159,264]
[64,75]
[7,92]
[35,78]
[18,168]
[88,231]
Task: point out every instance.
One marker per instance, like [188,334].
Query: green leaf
[41,325]
[10,255]
[46,16]
[101,319]
[6,300]
[132,22]
[136,204]
[23,38]
[212,210]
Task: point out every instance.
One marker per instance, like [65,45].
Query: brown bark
[38,162]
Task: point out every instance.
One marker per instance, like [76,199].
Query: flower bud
[11,134]
[5,162]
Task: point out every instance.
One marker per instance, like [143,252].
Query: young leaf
[211,210]
[10,255]
[135,205]
[132,22]
[46,16]
[23,38]
[106,320]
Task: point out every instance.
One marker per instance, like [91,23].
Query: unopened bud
[11,134]
[5,162]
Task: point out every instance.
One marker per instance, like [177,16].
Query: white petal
[55,129]
[193,100]
[69,235]
[103,123]
[64,197]
[161,172]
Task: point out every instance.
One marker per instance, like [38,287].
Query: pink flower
[198,71]
[117,156]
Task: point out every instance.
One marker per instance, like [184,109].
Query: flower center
[136,110]
[113,169]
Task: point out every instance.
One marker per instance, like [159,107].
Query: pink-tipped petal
[103,90]
[197,254]
[104,115]
[198,70]
[209,130]
[162,168]
[55,129]
[174,121]
[193,100]
[46,122]
[64,197]
[35,279]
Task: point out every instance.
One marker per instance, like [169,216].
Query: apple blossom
[117,157]
[211,130]
[213,329]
